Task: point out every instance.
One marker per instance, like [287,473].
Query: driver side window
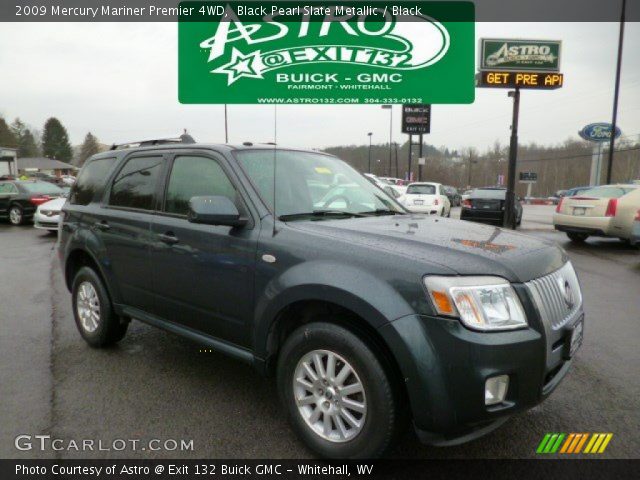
[195,177]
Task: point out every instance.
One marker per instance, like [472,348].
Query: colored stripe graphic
[573,443]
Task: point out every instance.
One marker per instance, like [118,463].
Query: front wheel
[336,393]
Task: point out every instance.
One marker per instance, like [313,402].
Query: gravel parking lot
[156,385]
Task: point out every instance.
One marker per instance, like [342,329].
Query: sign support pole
[419,164]
[616,92]
[509,212]
[410,152]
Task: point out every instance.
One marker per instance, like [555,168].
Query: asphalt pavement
[154,385]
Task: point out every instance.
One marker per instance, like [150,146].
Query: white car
[48,214]
[426,197]
[68,180]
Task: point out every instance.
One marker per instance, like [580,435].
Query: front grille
[557,296]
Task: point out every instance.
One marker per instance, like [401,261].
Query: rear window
[421,190]
[42,188]
[91,178]
[493,194]
[606,192]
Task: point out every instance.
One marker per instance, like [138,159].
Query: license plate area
[574,339]
[579,211]
[418,202]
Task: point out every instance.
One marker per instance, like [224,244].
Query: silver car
[47,215]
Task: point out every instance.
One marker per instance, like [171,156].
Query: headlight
[481,303]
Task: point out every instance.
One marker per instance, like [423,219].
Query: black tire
[110,327]
[382,422]
[577,237]
[16,215]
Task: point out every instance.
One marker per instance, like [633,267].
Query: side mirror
[214,210]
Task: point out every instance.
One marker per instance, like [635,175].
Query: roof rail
[185,138]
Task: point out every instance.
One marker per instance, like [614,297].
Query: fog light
[495,389]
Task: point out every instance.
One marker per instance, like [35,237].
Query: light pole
[370,134]
[390,108]
[616,92]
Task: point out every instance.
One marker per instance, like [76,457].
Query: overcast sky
[120,82]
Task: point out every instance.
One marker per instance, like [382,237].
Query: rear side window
[7,188]
[135,185]
[193,177]
[91,179]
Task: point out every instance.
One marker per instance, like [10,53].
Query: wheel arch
[79,258]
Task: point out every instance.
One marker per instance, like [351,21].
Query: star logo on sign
[241,66]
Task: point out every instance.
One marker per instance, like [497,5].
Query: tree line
[52,142]
[559,167]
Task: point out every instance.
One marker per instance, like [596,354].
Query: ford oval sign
[598,132]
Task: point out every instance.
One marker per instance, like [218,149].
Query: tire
[93,311]
[379,423]
[16,215]
[577,237]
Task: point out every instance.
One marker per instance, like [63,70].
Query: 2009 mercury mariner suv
[294,262]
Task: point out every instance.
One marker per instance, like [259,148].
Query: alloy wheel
[88,306]
[15,216]
[330,396]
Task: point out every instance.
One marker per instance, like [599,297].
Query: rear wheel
[336,393]
[16,216]
[93,312]
[577,237]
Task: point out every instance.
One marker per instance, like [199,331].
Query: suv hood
[464,248]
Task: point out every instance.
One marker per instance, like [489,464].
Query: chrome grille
[557,296]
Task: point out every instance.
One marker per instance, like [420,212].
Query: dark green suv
[358,308]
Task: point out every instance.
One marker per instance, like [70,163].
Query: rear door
[124,226]
[203,275]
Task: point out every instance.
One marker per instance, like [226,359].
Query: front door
[7,192]
[203,274]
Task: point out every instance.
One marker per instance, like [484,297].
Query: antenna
[275,156]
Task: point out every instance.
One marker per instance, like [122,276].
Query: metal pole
[226,125]
[509,210]
[615,94]
[370,135]
[469,169]
[420,164]
[390,137]
[410,153]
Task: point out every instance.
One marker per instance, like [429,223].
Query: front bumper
[445,367]
[44,222]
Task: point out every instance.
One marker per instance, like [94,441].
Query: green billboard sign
[520,55]
[326,53]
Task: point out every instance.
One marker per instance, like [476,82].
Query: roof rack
[185,138]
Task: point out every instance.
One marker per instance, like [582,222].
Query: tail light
[466,203]
[637,217]
[612,206]
[559,205]
[436,202]
[39,199]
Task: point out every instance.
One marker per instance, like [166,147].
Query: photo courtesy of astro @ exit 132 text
[319,239]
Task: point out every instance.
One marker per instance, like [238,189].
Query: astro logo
[373,38]
[574,443]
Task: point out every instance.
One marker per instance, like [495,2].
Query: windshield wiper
[320,213]
[380,211]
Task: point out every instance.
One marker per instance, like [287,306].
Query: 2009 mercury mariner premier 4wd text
[294,262]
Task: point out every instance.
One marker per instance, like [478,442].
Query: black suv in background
[293,262]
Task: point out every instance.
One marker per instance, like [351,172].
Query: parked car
[368,317]
[375,180]
[426,197]
[19,198]
[45,177]
[452,194]
[68,180]
[572,192]
[604,211]
[392,180]
[47,214]
[635,230]
[487,205]
[465,195]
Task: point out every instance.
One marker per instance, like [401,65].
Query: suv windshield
[313,184]
[421,190]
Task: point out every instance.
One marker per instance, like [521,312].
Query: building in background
[46,165]
[8,162]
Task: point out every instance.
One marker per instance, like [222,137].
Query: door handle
[103,225]
[169,238]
